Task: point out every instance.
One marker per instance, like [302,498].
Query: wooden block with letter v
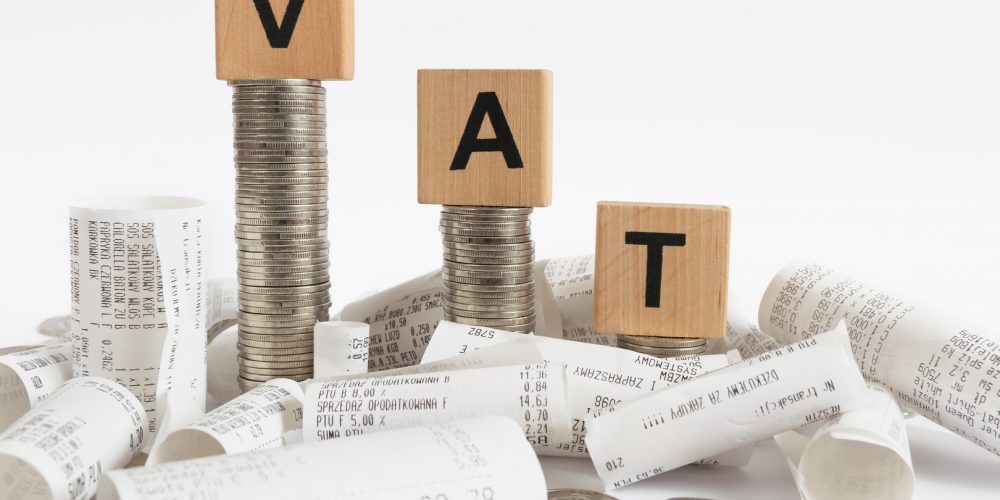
[484,137]
[661,270]
[261,39]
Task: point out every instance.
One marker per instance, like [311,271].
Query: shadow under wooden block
[484,137]
[260,39]
[661,270]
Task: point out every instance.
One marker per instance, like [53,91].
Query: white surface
[812,120]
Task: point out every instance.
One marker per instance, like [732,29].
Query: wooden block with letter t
[661,270]
[261,39]
[484,137]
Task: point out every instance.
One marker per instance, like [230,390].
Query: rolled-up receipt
[597,376]
[138,294]
[930,362]
[481,458]
[533,395]
[862,454]
[780,390]
[59,449]
[26,377]
[255,420]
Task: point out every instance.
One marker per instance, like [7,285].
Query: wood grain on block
[484,137]
[284,39]
[682,294]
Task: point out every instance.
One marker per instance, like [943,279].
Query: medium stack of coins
[281,229]
[488,267]
[663,347]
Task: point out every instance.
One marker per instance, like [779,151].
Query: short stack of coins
[663,347]
[488,266]
[281,229]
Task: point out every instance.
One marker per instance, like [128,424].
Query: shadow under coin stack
[488,267]
[281,228]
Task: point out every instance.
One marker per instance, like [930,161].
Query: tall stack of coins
[281,228]
[488,267]
[663,347]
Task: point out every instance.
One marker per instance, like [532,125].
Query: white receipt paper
[59,449]
[26,377]
[780,390]
[479,459]
[930,362]
[138,300]
[597,376]
[863,453]
[533,395]
[340,348]
[255,420]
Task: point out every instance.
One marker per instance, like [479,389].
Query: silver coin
[290,365]
[461,306]
[663,352]
[264,290]
[279,245]
[499,323]
[502,248]
[280,372]
[249,378]
[490,313]
[278,332]
[256,337]
[276,168]
[281,358]
[501,299]
[491,268]
[484,240]
[481,281]
[484,233]
[477,218]
[275,343]
[471,210]
[245,317]
[578,494]
[459,288]
[270,351]
[251,183]
[653,341]
[317,310]
[455,259]
[484,224]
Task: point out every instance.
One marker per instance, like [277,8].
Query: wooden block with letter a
[260,39]
[661,270]
[484,137]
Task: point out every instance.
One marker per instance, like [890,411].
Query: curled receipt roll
[863,453]
[138,300]
[780,390]
[59,449]
[480,458]
[255,420]
[26,377]
[930,362]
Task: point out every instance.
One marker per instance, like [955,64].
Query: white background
[863,134]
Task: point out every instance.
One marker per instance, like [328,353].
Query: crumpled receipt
[480,458]
[930,362]
[755,399]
